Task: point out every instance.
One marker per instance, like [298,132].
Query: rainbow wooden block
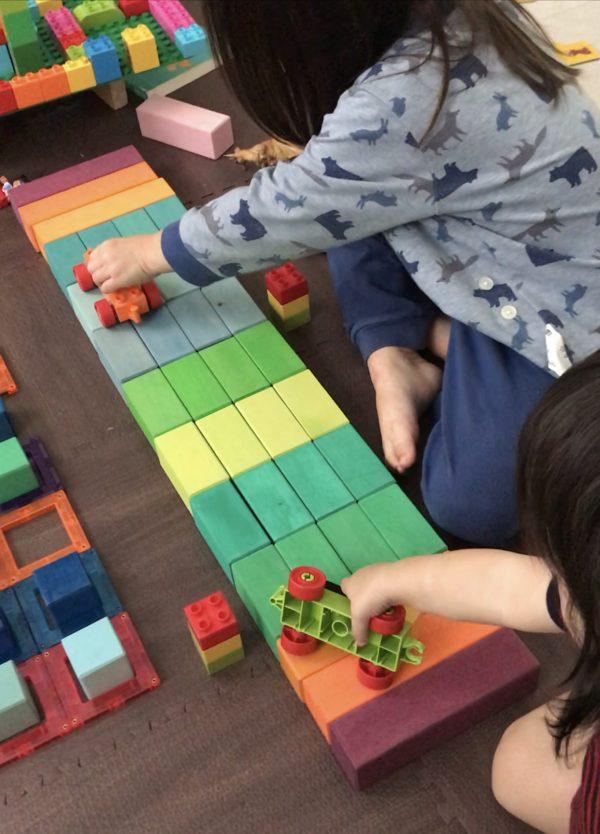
[185,126]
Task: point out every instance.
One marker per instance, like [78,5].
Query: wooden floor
[238,753]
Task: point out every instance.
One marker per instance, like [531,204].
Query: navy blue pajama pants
[488,389]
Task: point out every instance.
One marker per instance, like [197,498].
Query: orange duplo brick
[27,89]
[298,669]
[7,383]
[53,81]
[83,195]
[335,690]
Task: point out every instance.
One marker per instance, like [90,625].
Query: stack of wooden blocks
[287,292]
[215,632]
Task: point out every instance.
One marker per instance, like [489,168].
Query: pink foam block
[185,126]
[171,15]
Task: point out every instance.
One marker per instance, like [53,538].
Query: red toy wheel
[106,313]
[307,583]
[297,643]
[83,277]
[373,676]
[153,296]
[390,622]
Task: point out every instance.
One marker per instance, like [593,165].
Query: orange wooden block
[335,690]
[27,89]
[298,668]
[54,82]
[10,571]
[82,195]
[7,383]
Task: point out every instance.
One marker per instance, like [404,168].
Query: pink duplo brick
[64,26]
[185,126]
[171,15]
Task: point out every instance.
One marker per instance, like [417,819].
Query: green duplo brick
[23,45]
[314,480]
[273,501]
[270,352]
[155,406]
[234,369]
[355,539]
[16,475]
[400,523]
[355,463]
[310,547]
[227,524]
[195,385]
[256,577]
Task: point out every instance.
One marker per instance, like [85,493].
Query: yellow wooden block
[221,649]
[46,5]
[189,461]
[232,440]
[101,211]
[577,52]
[141,47]
[310,404]
[292,308]
[80,74]
[272,422]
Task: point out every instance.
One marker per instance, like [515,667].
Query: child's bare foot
[405,385]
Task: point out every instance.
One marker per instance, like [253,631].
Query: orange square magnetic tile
[7,383]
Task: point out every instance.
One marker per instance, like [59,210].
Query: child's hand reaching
[370,591]
[127,261]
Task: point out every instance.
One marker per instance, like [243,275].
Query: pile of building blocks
[271,470]
[68,651]
[185,126]
[287,293]
[215,632]
[53,48]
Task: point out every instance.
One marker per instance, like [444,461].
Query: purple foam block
[375,739]
[46,474]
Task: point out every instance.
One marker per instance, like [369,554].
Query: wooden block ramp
[272,473]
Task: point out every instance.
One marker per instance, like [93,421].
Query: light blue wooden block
[63,254]
[172,286]
[233,304]
[7,70]
[163,337]
[198,320]
[83,307]
[95,235]
[122,351]
[134,223]
[17,709]
[97,658]
[166,211]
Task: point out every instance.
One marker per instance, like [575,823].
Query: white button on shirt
[508,312]
[485,283]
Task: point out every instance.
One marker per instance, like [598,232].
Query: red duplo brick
[286,283]
[133,7]
[8,101]
[211,620]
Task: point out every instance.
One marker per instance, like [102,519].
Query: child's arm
[490,586]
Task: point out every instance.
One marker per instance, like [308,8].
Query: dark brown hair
[288,61]
[559,501]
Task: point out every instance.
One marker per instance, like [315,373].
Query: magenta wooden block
[374,740]
[185,126]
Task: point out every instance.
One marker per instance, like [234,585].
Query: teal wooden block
[165,211]
[234,369]
[134,223]
[273,501]
[233,304]
[18,711]
[227,524]
[83,307]
[355,463]
[197,319]
[270,352]
[355,539]
[95,235]
[63,254]
[403,527]
[255,578]
[163,337]
[309,547]
[313,479]
[122,352]
[97,658]
[172,286]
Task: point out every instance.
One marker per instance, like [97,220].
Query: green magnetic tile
[154,404]
[269,350]
[195,386]
[227,524]
[134,223]
[355,463]
[223,662]
[400,523]
[63,254]
[355,539]
[310,547]
[272,500]
[165,211]
[95,235]
[16,475]
[314,480]
[234,369]
[256,577]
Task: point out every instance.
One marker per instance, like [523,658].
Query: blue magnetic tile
[45,631]
[17,633]
[172,286]
[233,304]
[6,429]
[198,320]
[62,255]
[122,352]
[83,307]
[165,211]
[95,235]
[68,593]
[163,337]
[7,70]
[134,223]
[111,603]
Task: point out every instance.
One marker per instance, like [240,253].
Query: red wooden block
[8,102]
[211,620]
[374,740]
[286,283]
[133,7]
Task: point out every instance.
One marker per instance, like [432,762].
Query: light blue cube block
[233,304]
[122,352]
[18,711]
[198,320]
[7,71]
[83,307]
[95,235]
[97,658]
[172,286]
[135,223]
[163,337]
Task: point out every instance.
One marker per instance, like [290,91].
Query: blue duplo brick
[16,639]
[103,56]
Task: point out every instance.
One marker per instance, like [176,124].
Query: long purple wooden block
[374,740]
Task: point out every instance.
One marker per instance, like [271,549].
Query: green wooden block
[16,475]
[223,662]
[354,461]
[227,524]
[400,523]
[355,539]
[270,352]
[273,501]
[95,235]
[63,254]
[234,369]
[255,579]
[310,547]
[154,404]
[195,385]
[165,211]
[314,480]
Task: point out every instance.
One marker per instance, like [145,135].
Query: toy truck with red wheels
[314,610]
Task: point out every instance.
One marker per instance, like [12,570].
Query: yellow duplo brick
[221,649]
[46,5]
[310,404]
[141,47]
[292,308]
[189,461]
[272,422]
[232,440]
[80,74]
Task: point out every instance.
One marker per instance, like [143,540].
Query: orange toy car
[127,304]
